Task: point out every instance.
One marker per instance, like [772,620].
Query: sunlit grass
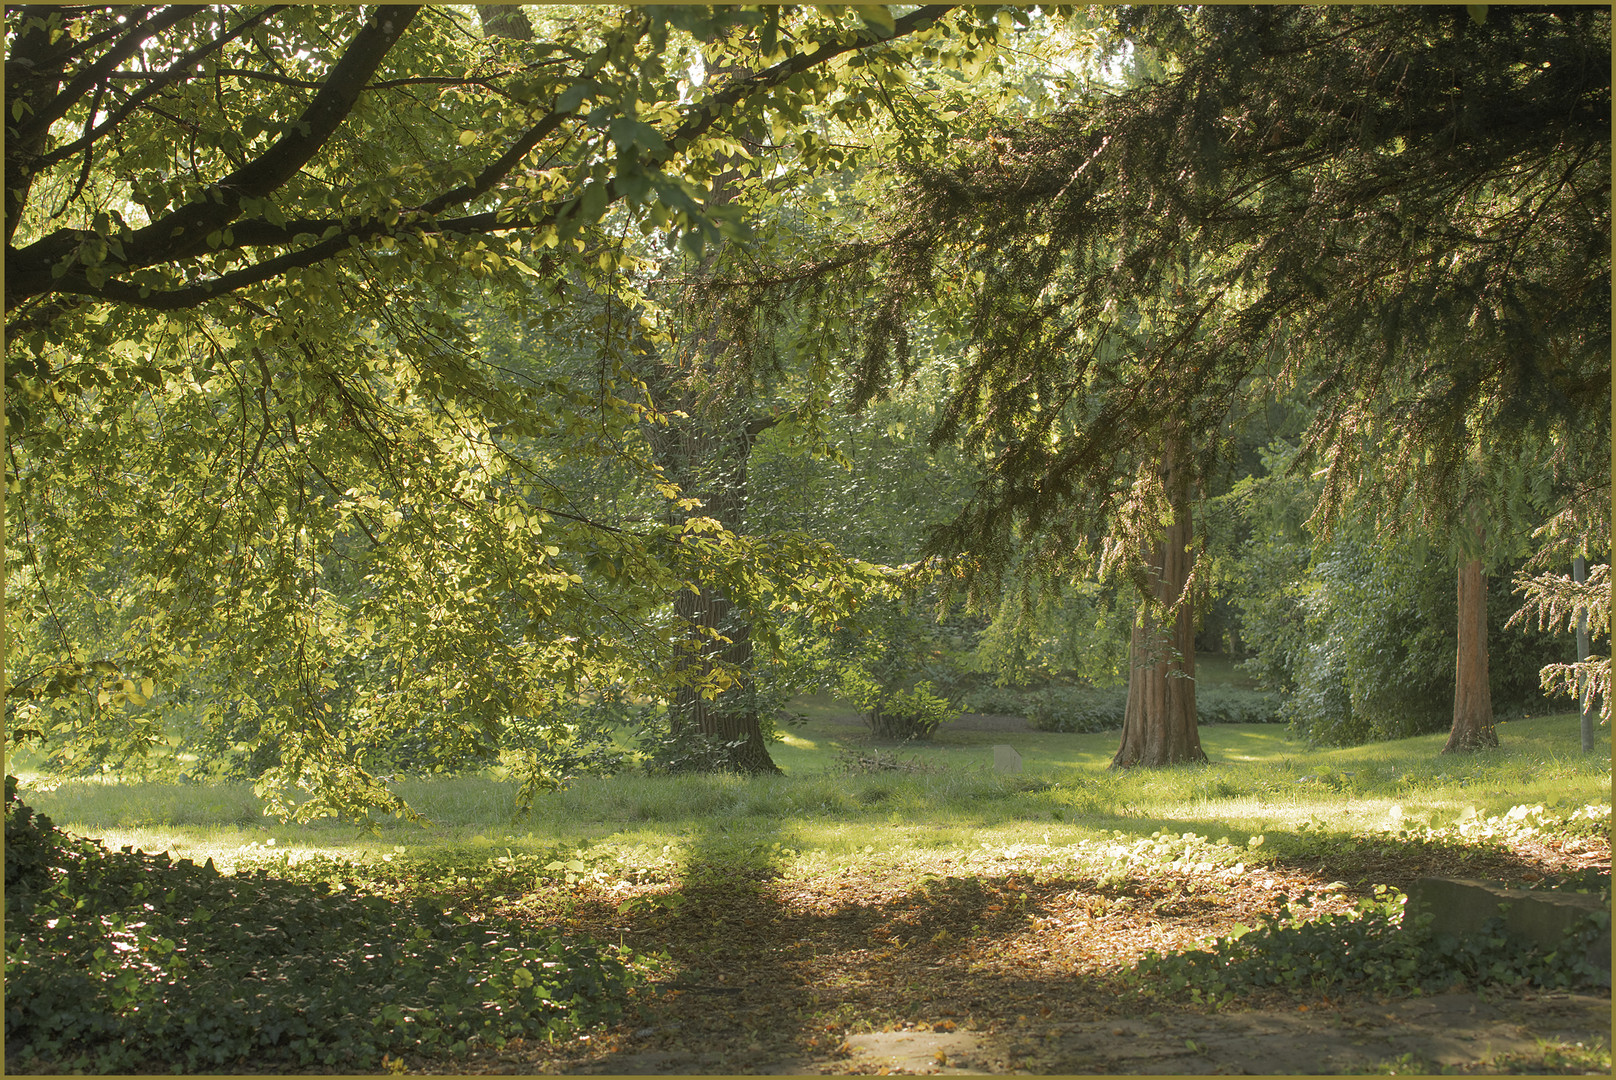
[1259,782]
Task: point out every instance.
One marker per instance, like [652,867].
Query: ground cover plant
[841,899]
[124,961]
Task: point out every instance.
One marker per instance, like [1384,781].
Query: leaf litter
[1013,960]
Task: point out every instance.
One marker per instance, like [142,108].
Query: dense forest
[551,394]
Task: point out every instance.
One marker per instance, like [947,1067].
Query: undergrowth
[118,961]
[1375,948]
[1369,949]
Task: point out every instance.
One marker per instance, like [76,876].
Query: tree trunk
[1159,723]
[1472,695]
[711,467]
[706,454]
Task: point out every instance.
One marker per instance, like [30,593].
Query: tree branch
[34,276]
[156,83]
[47,113]
[184,232]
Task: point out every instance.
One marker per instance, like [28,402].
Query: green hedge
[118,961]
[1086,709]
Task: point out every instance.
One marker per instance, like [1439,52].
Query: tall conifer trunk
[1159,723]
[1472,694]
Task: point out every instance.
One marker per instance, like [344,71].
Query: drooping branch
[184,232]
[35,269]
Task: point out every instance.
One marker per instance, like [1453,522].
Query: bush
[123,962]
[1089,709]
[1229,705]
[893,712]
[1077,708]
[31,843]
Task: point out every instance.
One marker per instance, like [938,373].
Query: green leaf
[574,95]
[877,17]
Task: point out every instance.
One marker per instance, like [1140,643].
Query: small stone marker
[1005,759]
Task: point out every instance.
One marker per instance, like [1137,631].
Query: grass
[949,885]
[1260,782]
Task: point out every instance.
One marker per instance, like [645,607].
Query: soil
[993,962]
[1454,1031]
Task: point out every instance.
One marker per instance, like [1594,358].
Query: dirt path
[991,963]
[1458,1031]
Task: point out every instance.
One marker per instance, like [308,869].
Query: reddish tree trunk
[1472,695]
[1159,724]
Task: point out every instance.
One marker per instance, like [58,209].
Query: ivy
[118,961]
[1372,949]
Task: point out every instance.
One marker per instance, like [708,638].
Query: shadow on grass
[770,973]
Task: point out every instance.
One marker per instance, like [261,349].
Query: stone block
[1461,906]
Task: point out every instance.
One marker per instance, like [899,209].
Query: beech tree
[253,446]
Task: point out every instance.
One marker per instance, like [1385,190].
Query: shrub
[1087,709]
[1369,949]
[1077,708]
[1229,705]
[897,713]
[31,842]
[121,961]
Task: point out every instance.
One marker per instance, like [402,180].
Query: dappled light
[807,539]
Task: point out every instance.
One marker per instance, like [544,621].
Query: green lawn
[1259,782]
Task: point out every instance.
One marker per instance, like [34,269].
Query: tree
[1410,211]
[1159,721]
[240,246]
[1472,696]
[1559,602]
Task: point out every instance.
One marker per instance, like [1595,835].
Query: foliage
[1294,199]
[1373,949]
[1080,708]
[268,477]
[1375,659]
[1559,604]
[912,712]
[119,961]
[664,752]
[1076,630]
[31,843]
[899,666]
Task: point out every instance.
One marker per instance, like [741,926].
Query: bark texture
[709,462]
[1472,694]
[1159,723]
[706,453]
